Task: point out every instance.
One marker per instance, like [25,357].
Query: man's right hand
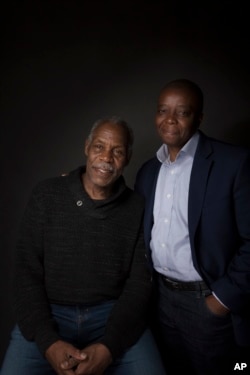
[98,358]
[61,351]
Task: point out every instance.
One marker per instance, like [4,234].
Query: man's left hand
[98,358]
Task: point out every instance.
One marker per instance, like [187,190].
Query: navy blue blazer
[218,220]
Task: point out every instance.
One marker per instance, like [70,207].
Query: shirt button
[168,196]
[163,245]
[79,203]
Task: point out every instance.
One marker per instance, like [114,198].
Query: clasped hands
[68,360]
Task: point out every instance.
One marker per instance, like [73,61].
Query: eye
[183,113]
[161,111]
[97,146]
[119,152]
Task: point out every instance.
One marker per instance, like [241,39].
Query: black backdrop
[66,63]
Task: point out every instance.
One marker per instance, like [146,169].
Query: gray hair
[115,120]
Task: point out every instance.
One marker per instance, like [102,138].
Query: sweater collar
[75,184]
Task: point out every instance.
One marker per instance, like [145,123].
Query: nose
[170,118]
[106,155]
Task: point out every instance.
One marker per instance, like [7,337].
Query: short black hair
[187,84]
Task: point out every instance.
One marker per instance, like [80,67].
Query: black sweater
[73,250]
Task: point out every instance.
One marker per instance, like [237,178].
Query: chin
[103,183]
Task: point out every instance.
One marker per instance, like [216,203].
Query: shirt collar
[189,148]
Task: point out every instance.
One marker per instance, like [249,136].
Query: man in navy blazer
[197,230]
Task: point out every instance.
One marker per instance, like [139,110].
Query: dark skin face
[177,118]
[106,159]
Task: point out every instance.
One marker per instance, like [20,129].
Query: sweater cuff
[45,339]
[116,350]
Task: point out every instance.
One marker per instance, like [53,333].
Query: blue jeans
[81,325]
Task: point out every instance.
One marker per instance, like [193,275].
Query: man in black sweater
[82,285]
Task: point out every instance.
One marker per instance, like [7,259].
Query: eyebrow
[103,141]
[178,106]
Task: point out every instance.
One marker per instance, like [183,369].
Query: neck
[96,192]
[172,154]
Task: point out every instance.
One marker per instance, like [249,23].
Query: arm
[30,300]
[233,289]
[128,317]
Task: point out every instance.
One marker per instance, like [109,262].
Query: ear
[201,117]
[128,158]
[86,147]
[199,120]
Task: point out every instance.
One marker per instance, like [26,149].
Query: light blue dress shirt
[170,244]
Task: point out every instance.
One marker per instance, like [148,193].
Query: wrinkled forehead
[111,131]
[184,96]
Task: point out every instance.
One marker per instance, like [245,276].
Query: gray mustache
[105,166]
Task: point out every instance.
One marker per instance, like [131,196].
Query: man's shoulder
[134,197]
[50,182]
[149,163]
[146,175]
[223,146]
[148,167]
[54,184]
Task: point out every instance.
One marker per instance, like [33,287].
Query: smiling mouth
[167,132]
[103,171]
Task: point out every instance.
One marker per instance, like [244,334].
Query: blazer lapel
[198,183]
[150,186]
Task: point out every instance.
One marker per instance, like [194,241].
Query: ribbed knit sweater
[74,250]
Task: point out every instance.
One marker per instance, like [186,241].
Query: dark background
[66,63]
